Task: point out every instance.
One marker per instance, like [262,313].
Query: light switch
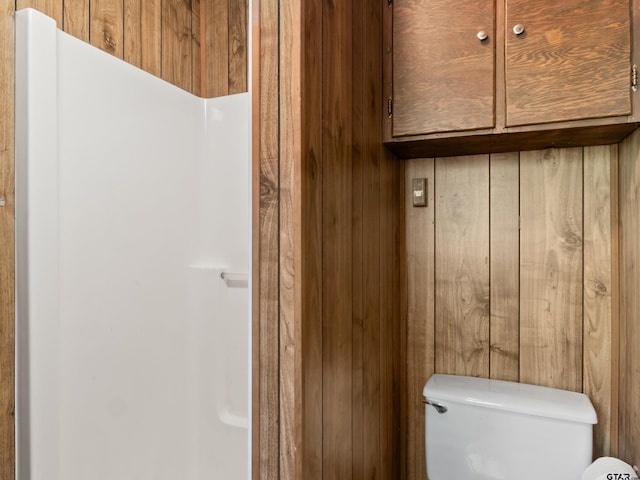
[419,189]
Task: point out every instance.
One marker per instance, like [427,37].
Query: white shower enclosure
[132,221]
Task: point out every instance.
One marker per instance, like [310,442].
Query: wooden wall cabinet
[480,76]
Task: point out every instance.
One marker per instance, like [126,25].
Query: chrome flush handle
[440,408]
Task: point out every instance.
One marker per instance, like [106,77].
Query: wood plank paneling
[268,308]
[217,48]
[548,345]
[52,8]
[462,265]
[598,289]
[312,190]
[76,18]
[143,34]
[349,232]
[237,41]
[165,37]
[106,26]
[505,266]
[225,44]
[359,174]
[376,252]
[196,47]
[290,213]
[7,280]
[382,449]
[419,321]
[337,241]
[176,42]
[392,440]
[629,389]
[551,268]
[615,304]
[258,410]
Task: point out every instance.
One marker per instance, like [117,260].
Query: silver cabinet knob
[482,35]
[518,29]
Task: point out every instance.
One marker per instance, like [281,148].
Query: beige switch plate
[419,192]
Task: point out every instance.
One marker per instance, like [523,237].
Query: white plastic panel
[132,200]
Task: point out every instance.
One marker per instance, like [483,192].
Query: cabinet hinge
[634,78]
[390,107]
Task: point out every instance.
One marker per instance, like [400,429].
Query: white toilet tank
[504,430]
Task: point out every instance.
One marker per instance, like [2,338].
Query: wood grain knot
[572,239]
[108,41]
[504,352]
[600,288]
[267,188]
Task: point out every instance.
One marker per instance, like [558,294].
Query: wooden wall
[328,312]
[162,37]
[360,276]
[266,120]
[7,299]
[629,358]
[511,275]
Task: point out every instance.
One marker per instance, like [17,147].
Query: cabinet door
[571,62]
[443,74]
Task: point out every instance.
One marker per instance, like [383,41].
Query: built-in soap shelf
[235,280]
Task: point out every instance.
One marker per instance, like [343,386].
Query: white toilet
[479,429]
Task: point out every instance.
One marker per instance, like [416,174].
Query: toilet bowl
[480,429]
[610,468]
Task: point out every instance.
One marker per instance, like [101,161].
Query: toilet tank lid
[511,397]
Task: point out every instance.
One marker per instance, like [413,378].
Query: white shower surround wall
[132,198]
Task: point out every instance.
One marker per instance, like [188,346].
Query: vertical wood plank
[462,265]
[51,8]
[359,258]
[551,268]
[76,18]
[237,42]
[176,42]
[7,232]
[290,150]
[615,301]
[629,188]
[504,185]
[337,241]
[396,257]
[386,408]
[196,49]
[106,26]
[268,429]
[258,355]
[387,85]
[312,242]
[375,251]
[419,318]
[377,305]
[597,293]
[217,48]
[142,35]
